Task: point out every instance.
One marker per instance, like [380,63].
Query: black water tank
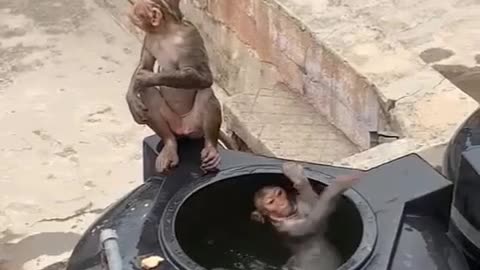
[467,134]
[410,200]
[462,166]
[465,212]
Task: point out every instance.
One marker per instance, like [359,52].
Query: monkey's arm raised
[305,191]
[295,172]
[193,66]
[135,104]
[325,205]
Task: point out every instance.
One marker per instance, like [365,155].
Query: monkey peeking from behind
[176,100]
[302,219]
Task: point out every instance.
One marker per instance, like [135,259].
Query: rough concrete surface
[448,31]
[350,60]
[275,122]
[369,36]
[68,146]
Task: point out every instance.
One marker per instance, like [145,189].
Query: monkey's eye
[270,201]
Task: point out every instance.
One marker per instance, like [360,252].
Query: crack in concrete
[80,212]
[102,111]
[441,81]
[417,24]
[419,90]
[46,137]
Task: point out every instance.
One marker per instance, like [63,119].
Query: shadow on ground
[465,78]
[15,255]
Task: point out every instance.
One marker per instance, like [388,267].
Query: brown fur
[176,100]
[305,227]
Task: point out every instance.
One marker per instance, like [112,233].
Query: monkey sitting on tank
[176,99]
[302,219]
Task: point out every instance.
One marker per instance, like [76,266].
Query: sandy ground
[68,146]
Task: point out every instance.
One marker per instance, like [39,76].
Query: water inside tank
[214,229]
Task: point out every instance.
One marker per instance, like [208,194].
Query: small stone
[151,262]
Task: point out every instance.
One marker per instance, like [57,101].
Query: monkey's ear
[156,17]
[257,216]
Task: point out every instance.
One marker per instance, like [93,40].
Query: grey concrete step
[279,123]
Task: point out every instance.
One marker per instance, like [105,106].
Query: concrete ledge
[277,123]
[424,107]
[386,152]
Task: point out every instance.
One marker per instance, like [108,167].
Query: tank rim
[456,145]
[174,252]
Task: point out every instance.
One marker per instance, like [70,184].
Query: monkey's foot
[167,159]
[210,158]
[293,171]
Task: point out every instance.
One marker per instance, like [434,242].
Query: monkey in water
[302,219]
[176,100]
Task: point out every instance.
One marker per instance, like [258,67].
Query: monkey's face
[275,202]
[146,15]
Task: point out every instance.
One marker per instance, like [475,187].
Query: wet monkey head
[272,202]
[150,15]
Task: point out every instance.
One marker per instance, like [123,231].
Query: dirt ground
[68,146]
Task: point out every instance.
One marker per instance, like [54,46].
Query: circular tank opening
[213,226]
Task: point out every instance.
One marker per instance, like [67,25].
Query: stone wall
[257,44]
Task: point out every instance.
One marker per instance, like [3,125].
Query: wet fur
[304,232]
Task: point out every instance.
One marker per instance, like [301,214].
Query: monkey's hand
[294,172]
[136,107]
[144,78]
[345,182]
